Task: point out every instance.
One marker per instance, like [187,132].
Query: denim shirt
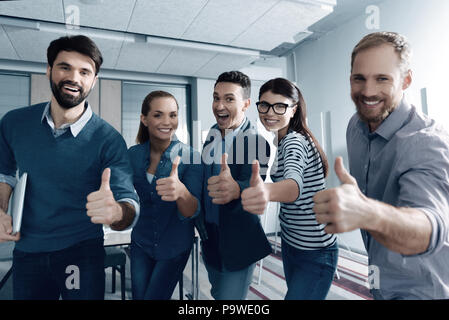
[162,231]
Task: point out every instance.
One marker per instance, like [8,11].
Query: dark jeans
[74,273]
[308,273]
[155,279]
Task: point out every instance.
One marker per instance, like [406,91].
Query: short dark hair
[79,43]
[239,78]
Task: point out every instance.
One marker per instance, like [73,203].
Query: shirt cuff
[11,180]
[137,209]
[434,237]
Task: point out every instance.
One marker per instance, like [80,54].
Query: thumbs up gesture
[171,188]
[255,198]
[223,188]
[101,205]
[343,208]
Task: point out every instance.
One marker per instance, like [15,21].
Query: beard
[65,100]
[373,116]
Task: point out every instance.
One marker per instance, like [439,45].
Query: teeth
[164,130]
[270,121]
[371,103]
[71,89]
[222,114]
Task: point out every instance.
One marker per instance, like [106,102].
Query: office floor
[350,282]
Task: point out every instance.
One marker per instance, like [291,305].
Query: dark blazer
[239,240]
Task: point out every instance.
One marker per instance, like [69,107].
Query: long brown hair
[142,134]
[298,123]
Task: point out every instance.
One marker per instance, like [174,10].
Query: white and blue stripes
[298,159]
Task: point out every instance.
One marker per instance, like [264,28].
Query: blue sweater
[161,229]
[61,171]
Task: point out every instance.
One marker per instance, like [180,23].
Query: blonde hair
[399,43]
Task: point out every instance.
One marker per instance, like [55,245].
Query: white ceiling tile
[221,21]
[141,57]
[31,45]
[48,10]
[166,18]
[223,62]
[113,16]
[185,61]
[6,49]
[279,25]
[110,50]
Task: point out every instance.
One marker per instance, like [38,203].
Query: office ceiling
[137,35]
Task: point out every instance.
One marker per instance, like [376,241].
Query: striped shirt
[298,159]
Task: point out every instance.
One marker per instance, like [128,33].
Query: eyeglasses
[278,108]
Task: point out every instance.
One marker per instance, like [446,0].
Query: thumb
[255,177]
[105,177]
[342,174]
[224,162]
[174,167]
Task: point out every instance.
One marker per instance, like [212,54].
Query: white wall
[323,68]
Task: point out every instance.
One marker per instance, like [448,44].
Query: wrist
[237,191]
[370,220]
[184,193]
[119,213]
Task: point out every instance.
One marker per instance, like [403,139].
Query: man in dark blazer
[233,239]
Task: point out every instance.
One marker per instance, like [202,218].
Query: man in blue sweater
[79,178]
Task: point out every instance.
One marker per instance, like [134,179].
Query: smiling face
[162,118]
[377,84]
[72,77]
[275,122]
[228,105]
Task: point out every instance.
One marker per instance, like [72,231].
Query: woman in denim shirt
[168,182]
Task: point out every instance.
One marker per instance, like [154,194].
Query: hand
[343,208]
[171,188]
[6,228]
[101,205]
[223,188]
[255,198]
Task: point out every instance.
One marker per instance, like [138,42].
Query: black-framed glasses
[278,108]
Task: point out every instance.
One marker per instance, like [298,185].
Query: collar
[391,124]
[167,152]
[75,127]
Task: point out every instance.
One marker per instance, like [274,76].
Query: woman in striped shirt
[309,254]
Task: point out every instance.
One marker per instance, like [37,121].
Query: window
[14,92]
[133,96]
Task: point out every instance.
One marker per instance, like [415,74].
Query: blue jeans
[230,285]
[308,273]
[153,279]
[74,273]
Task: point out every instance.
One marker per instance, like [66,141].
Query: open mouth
[222,117]
[165,130]
[70,88]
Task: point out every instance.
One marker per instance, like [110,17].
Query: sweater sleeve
[294,151]
[8,165]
